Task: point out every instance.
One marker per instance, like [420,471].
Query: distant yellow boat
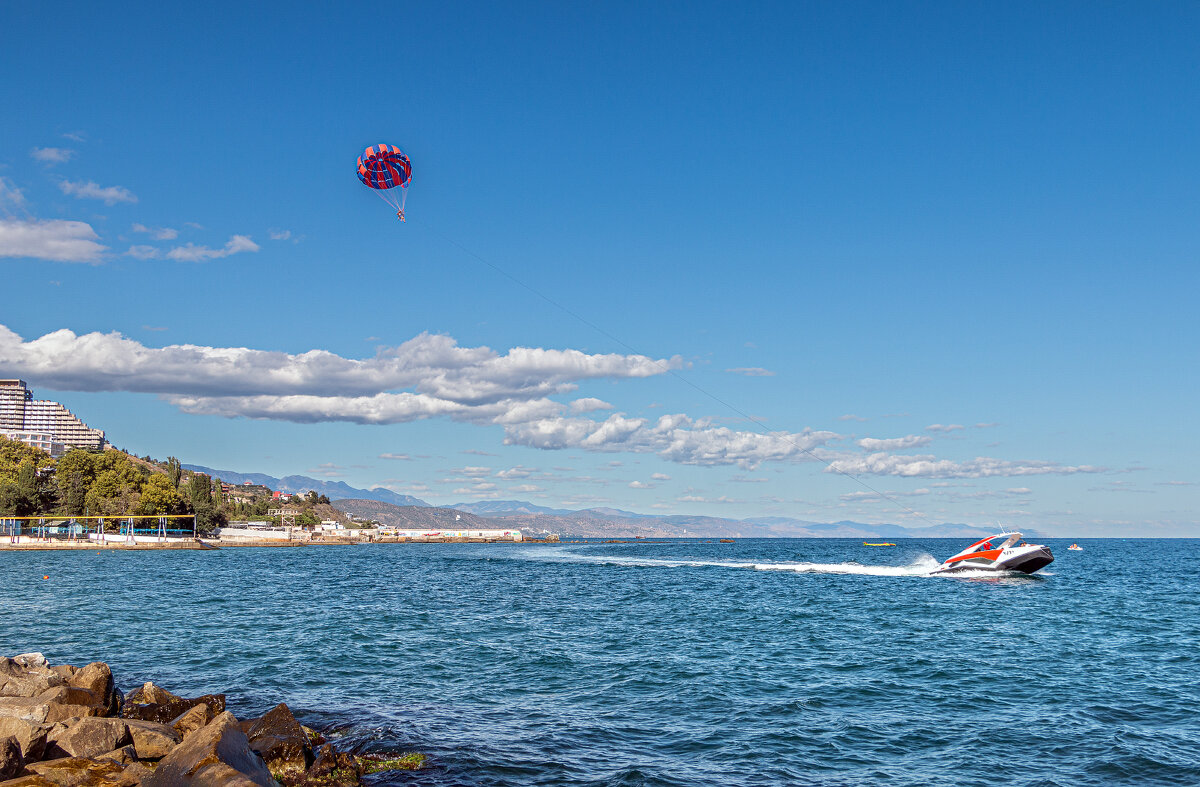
[882,544]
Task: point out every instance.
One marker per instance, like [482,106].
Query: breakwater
[62,725]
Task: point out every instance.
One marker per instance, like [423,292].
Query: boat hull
[1025,561]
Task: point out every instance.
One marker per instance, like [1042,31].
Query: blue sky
[949,248]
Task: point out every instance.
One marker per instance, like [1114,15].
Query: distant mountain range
[302,483]
[400,510]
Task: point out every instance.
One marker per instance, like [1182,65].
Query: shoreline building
[42,423]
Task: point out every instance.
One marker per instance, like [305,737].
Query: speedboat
[1075,548]
[1011,554]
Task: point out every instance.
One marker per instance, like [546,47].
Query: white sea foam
[920,567]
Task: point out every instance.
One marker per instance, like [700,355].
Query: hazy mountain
[415,517]
[502,507]
[302,483]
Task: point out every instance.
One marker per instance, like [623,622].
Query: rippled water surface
[764,662]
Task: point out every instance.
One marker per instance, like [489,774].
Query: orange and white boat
[1001,552]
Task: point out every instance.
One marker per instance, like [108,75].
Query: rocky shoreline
[64,726]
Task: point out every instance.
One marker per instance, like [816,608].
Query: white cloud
[52,156]
[751,371]
[400,457]
[111,195]
[660,477]
[143,252]
[280,234]
[525,488]
[589,404]
[894,443]
[944,428]
[56,240]
[851,417]
[10,195]
[640,485]
[932,467]
[516,472]
[158,233]
[193,253]
[472,472]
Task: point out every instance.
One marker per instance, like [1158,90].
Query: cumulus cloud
[894,443]
[110,195]
[52,156]
[56,240]
[660,477]
[751,371]
[143,252]
[516,472]
[931,467]
[192,253]
[158,233]
[446,377]
[640,485]
[589,404]
[944,428]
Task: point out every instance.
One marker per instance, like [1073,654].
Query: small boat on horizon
[878,544]
[1009,556]
[1075,548]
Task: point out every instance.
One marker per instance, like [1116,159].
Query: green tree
[174,470]
[158,496]
[74,476]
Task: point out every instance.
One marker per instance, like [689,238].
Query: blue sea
[762,662]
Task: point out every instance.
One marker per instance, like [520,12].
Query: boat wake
[922,566]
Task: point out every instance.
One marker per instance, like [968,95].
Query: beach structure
[42,423]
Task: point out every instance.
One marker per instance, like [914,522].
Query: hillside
[303,483]
[415,517]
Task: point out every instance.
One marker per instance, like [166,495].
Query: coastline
[67,725]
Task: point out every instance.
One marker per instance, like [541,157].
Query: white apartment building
[41,422]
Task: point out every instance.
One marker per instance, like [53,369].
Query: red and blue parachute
[387,171]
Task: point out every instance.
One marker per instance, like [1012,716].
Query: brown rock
[91,736]
[165,712]
[152,740]
[69,713]
[65,670]
[124,755]
[24,708]
[78,772]
[149,693]
[70,695]
[280,741]
[11,761]
[26,676]
[195,760]
[95,677]
[136,773]
[333,768]
[30,737]
[31,780]
[191,719]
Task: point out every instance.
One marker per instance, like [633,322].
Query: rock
[152,740]
[149,693]
[70,713]
[27,676]
[11,761]
[91,736]
[136,773]
[31,780]
[78,772]
[24,708]
[280,741]
[197,760]
[333,768]
[164,712]
[70,695]
[30,737]
[124,755]
[65,670]
[96,678]
[191,719]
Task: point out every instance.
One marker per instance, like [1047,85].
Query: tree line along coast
[113,483]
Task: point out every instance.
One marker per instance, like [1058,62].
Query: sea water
[762,662]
